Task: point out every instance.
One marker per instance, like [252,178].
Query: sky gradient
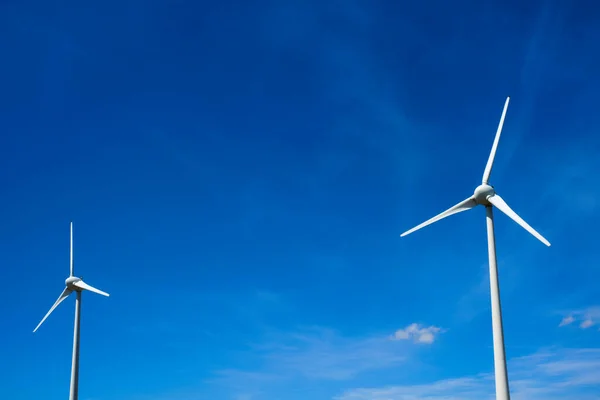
[238,174]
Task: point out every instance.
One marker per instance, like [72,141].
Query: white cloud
[586,324]
[586,317]
[417,333]
[548,375]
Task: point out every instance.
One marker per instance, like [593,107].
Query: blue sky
[238,174]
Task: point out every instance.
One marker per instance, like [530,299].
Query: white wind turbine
[485,195]
[73,284]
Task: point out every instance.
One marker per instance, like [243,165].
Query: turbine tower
[73,284]
[485,195]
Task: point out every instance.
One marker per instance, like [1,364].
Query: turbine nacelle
[71,283]
[482,193]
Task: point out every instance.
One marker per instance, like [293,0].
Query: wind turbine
[485,195]
[73,284]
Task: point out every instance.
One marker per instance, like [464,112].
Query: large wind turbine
[485,195]
[73,284]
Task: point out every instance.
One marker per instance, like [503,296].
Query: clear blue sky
[238,174]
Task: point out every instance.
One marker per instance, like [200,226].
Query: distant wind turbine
[73,284]
[485,195]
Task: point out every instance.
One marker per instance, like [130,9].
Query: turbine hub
[482,193]
[70,281]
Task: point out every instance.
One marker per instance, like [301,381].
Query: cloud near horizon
[552,374]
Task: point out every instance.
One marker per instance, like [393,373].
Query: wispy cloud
[550,374]
[566,321]
[320,354]
[323,354]
[586,318]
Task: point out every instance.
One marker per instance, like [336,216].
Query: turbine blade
[65,293]
[490,163]
[502,206]
[464,205]
[71,263]
[85,286]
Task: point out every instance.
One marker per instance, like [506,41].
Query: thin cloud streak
[586,317]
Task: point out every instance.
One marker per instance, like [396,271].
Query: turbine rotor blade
[490,163]
[85,286]
[502,206]
[464,205]
[65,293]
[71,262]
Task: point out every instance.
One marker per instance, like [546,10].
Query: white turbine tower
[73,284]
[485,195]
